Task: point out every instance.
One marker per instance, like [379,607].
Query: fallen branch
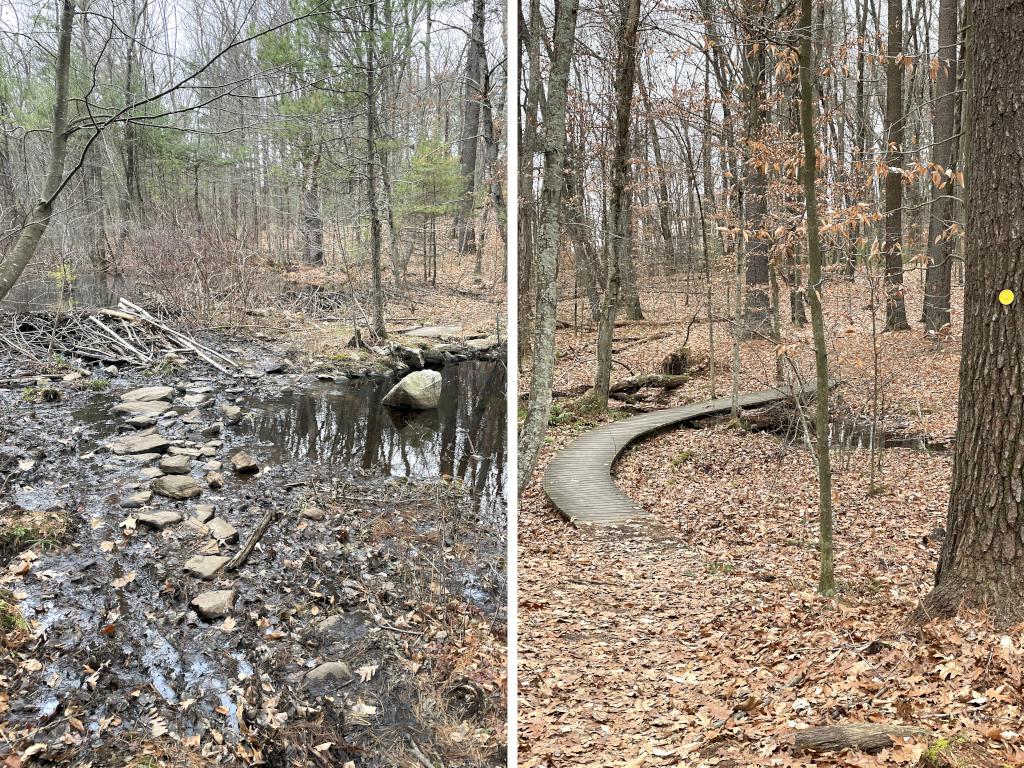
[236,562]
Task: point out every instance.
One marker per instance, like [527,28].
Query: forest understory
[696,636]
[366,627]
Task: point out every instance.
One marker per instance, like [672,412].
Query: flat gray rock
[137,500]
[146,394]
[330,670]
[204,512]
[312,513]
[222,530]
[436,332]
[176,487]
[205,566]
[159,520]
[215,604]
[135,444]
[232,413]
[151,473]
[175,465]
[142,408]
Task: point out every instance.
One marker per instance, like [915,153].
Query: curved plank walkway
[578,480]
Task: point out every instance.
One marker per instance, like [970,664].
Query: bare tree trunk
[39,217]
[310,216]
[941,246]
[815,289]
[982,560]
[619,208]
[377,320]
[895,305]
[464,229]
[538,409]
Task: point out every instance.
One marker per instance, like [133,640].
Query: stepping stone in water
[158,520]
[142,408]
[244,464]
[205,566]
[333,670]
[222,530]
[141,422]
[176,487]
[145,394]
[204,512]
[137,500]
[198,401]
[175,465]
[216,604]
[136,444]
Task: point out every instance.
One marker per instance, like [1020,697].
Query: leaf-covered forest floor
[697,638]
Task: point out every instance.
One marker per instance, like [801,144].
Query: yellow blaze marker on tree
[1006,297]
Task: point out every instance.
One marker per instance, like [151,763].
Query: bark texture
[982,561]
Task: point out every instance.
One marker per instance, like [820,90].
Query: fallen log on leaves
[649,381]
[125,336]
[863,737]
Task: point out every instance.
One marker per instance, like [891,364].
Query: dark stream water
[329,425]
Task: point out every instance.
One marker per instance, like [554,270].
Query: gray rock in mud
[144,394]
[205,512]
[175,465]
[137,500]
[342,625]
[232,413]
[215,480]
[141,422]
[313,513]
[244,464]
[151,473]
[222,530]
[275,365]
[198,400]
[330,670]
[212,466]
[216,604]
[418,391]
[207,452]
[214,429]
[142,408]
[144,458]
[192,417]
[135,444]
[176,487]
[183,450]
[111,370]
[159,519]
[205,566]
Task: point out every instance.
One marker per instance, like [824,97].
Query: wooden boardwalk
[578,480]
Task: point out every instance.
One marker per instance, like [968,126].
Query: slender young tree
[815,290]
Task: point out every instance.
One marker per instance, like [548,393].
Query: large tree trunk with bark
[538,409]
[941,246]
[377,300]
[982,560]
[311,223]
[39,217]
[895,304]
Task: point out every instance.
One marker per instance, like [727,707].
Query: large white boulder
[420,390]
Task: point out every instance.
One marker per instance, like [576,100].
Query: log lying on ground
[649,381]
[265,522]
[863,737]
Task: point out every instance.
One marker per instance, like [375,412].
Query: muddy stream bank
[367,618]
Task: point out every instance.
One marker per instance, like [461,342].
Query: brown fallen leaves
[697,639]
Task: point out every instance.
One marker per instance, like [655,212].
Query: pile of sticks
[125,336]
